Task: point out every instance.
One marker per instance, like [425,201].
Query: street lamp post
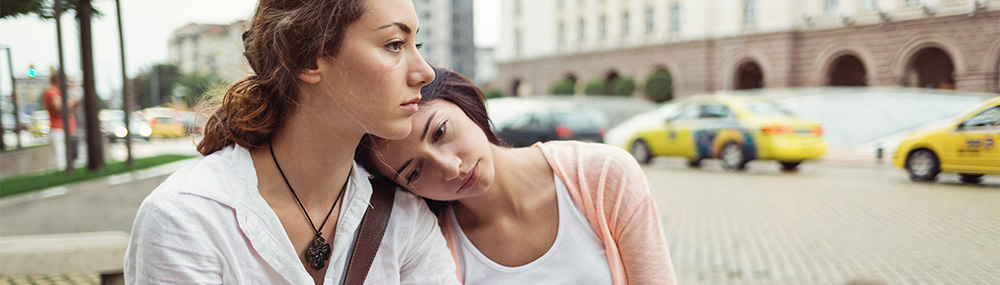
[13,98]
[126,103]
[62,89]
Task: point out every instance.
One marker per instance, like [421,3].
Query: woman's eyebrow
[404,27]
[427,125]
[400,170]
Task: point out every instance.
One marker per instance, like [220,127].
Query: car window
[687,112]
[714,111]
[987,118]
[165,120]
[765,108]
[525,121]
[583,120]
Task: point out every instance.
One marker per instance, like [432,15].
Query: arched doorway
[847,70]
[571,78]
[514,88]
[930,68]
[749,76]
[609,80]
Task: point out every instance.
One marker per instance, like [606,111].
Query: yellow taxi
[166,127]
[734,129]
[966,145]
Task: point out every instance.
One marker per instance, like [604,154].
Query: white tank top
[576,257]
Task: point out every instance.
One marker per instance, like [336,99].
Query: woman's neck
[519,174]
[315,157]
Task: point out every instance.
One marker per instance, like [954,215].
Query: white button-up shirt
[208,224]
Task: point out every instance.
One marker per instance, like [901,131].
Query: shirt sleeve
[168,246]
[638,231]
[427,259]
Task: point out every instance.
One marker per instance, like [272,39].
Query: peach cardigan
[613,193]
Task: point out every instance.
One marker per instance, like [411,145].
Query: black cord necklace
[319,251]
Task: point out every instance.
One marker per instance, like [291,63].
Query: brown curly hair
[285,37]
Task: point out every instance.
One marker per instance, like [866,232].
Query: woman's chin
[396,131]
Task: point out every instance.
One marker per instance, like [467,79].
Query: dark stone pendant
[318,253]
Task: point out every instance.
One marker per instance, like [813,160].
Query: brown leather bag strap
[372,229]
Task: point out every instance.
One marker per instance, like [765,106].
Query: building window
[911,2]
[650,18]
[750,12]
[625,20]
[517,42]
[604,27]
[675,18]
[427,16]
[582,31]
[517,8]
[562,33]
[830,6]
[870,5]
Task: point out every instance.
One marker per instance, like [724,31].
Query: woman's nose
[420,73]
[450,165]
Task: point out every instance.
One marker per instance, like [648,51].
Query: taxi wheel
[970,178]
[640,151]
[733,157]
[923,165]
[790,165]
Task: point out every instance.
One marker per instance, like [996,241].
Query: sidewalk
[102,204]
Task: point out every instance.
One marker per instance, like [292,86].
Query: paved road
[831,222]
[827,224]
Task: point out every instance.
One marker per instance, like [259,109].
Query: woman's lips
[412,107]
[471,180]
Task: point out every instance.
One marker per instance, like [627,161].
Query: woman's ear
[312,73]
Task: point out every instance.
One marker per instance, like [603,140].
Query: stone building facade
[210,49]
[958,49]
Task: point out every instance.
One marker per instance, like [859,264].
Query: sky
[148,25]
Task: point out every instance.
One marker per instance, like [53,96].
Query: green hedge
[594,87]
[29,182]
[623,86]
[659,86]
[562,87]
[493,93]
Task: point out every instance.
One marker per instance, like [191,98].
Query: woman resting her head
[554,213]
[277,199]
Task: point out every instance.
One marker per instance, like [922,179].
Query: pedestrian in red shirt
[52,99]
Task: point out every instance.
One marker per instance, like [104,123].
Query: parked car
[194,123]
[113,125]
[736,129]
[966,144]
[165,126]
[553,124]
[39,123]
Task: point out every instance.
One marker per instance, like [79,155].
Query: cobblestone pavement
[829,223]
[76,278]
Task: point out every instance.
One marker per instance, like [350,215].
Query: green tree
[193,87]
[623,86]
[147,94]
[42,8]
[659,86]
[562,87]
[493,93]
[594,87]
